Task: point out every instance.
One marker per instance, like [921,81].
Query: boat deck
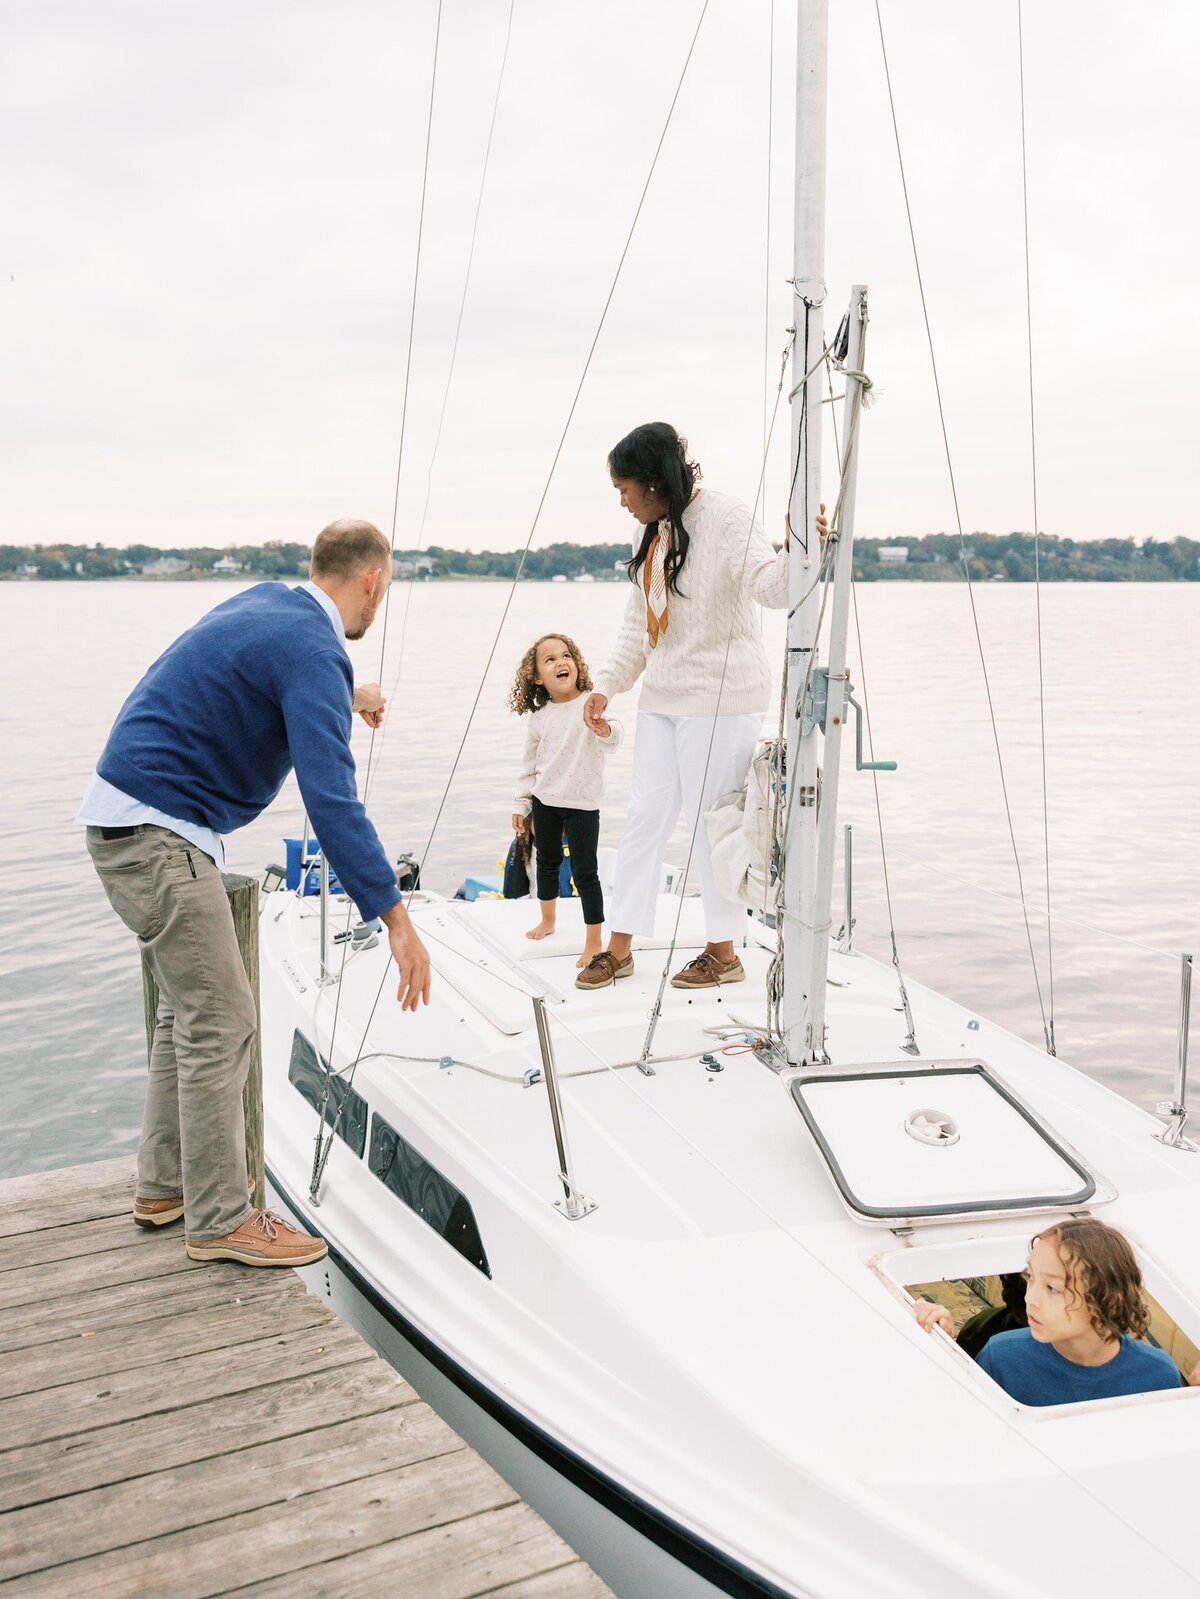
[169,1427]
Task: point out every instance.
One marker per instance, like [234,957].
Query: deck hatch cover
[1004,1158]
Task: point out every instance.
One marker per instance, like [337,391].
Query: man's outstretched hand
[411,958]
[370,704]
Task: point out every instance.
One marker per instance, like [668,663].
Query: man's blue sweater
[259,685]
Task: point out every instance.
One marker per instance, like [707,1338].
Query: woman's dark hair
[655,457]
[1102,1270]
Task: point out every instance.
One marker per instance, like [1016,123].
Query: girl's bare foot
[591,949]
[543,929]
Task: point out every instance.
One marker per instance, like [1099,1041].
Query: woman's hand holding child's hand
[593,713]
[518,822]
[930,1316]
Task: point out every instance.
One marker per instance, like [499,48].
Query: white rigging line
[412,319]
[698,823]
[767,243]
[321,1155]
[462,306]
[1037,538]
[910,1043]
[958,523]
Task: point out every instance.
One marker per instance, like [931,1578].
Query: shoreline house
[412,565]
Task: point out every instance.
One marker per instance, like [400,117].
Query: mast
[818,698]
[808,299]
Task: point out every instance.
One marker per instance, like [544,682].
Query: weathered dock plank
[72,1465]
[171,1501]
[167,1427]
[72,1194]
[498,1553]
[43,1366]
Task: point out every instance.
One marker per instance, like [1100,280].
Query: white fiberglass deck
[720,1335]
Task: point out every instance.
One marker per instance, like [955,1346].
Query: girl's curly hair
[527,694]
[1104,1270]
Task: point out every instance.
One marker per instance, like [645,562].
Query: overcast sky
[207,242]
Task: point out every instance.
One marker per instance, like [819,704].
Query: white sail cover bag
[739,836]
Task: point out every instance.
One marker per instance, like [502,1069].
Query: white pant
[669,760]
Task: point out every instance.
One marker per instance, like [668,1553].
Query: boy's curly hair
[1102,1268]
[527,694]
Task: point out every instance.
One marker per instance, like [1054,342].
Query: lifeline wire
[1037,540]
[322,1157]
[958,522]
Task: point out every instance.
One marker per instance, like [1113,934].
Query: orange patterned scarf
[654,581]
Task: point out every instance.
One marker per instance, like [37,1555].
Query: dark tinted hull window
[423,1189]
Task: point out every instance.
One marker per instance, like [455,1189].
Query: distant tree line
[938,557]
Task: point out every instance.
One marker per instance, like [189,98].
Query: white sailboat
[666,1282]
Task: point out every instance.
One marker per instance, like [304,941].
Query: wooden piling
[243,906]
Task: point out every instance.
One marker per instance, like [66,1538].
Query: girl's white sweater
[730,570]
[564,759]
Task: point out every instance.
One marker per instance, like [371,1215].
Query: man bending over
[260,685]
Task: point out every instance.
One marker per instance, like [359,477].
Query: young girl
[1083,1301]
[562,778]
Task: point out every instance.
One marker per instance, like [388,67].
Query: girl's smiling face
[556,669]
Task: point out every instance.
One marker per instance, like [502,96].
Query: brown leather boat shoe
[263,1239]
[603,970]
[157,1212]
[160,1212]
[706,971]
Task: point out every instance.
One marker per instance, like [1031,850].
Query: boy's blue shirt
[259,685]
[1036,1374]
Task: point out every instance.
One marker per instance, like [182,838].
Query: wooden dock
[171,1428]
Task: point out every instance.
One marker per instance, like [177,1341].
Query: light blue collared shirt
[105,805]
[330,609]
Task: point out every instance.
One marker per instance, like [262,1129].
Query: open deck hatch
[936,1140]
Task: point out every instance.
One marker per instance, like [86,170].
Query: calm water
[1122,666]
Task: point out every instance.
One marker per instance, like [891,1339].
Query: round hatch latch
[932,1127]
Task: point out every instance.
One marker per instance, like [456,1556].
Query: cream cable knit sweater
[722,582]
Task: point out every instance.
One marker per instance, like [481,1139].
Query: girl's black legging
[582,829]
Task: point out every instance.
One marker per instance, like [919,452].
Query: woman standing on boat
[700,572]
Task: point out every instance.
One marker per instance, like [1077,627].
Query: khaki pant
[170,895]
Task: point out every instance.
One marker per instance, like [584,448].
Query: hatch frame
[1093,1188]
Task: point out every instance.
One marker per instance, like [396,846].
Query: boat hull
[633,1548]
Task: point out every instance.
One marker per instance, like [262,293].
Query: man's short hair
[346,548]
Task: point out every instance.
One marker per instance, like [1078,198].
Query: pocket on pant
[130,891]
